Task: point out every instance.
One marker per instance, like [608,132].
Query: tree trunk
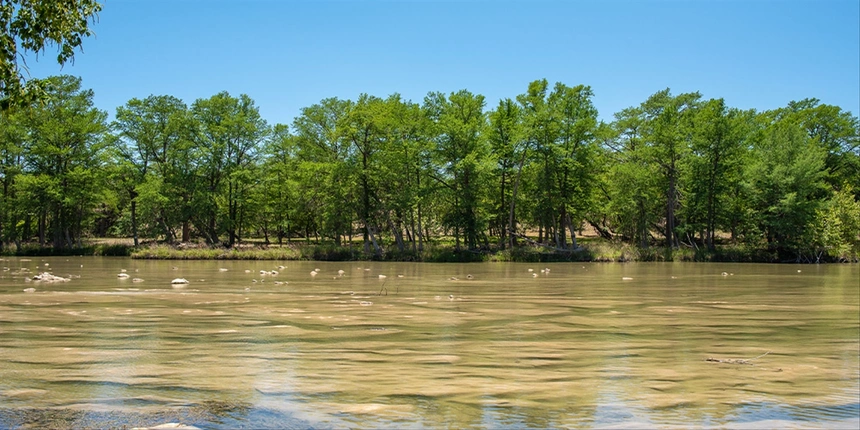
[420,231]
[604,233]
[398,235]
[573,244]
[670,213]
[134,220]
[376,249]
[511,226]
[500,219]
[42,227]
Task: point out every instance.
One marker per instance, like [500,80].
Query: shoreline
[591,251]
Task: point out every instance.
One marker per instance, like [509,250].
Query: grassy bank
[591,249]
[165,252]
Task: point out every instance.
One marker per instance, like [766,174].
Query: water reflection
[578,346]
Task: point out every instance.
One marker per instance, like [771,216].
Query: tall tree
[560,127]
[508,149]
[713,164]
[461,151]
[631,183]
[278,186]
[668,133]
[230,134]
[364,127]
[786,178]
[150,131]
[325,191]
[404,165]
[13,135]
[66,155]
[541,131]
[573,155]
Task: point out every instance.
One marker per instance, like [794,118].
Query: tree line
[676,170]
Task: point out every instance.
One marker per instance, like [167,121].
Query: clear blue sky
[288,55]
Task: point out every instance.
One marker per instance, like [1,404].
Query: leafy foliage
[676,176]
[29,26]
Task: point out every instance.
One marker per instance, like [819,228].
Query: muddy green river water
[400,345]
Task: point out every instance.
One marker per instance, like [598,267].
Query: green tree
[404,165]
[838,225]
[229,136]
[364,127]
[277,190]
[13,135]
[325,181]
[631,184]
[786,180]
[149,131]
[541,132]
[668,133]
[508,149]
[29,26]
[711,167]
[461,155]
[66,154]
[572,156]
[836,131]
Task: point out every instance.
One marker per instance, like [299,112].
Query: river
[401,345]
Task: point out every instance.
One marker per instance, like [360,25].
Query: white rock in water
[179,281]
[29,290]
[47,277]
[122,275]
[177,426]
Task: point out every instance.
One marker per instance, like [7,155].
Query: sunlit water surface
[584,345]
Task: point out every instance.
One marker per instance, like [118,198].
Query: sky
[287,55]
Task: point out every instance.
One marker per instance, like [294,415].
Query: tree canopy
[391,175]
[29,27]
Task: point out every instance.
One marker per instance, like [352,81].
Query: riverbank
[590,250]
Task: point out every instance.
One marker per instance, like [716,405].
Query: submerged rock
[178,281]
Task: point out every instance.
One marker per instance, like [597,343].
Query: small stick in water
[736,361]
